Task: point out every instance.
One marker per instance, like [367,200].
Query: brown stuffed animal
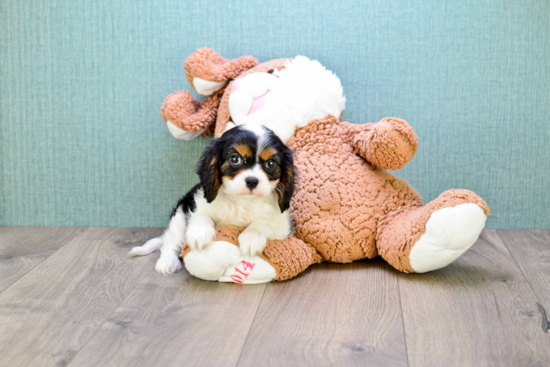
[346,206]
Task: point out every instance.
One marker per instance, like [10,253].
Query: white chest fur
[241,210]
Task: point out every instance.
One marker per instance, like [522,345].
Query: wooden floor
[71,297]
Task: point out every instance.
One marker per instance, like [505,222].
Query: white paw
[251,243]
[168,265]
[449,233]
[200,238]
[212,263]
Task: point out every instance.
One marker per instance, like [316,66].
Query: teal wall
[82,82]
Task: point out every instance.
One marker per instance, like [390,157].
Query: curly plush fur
[346,206]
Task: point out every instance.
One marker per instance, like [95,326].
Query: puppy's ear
[208,170]
[285,188]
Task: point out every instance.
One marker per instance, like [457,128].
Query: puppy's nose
[251,182]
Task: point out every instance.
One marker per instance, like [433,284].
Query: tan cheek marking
[243,150]
[267,153]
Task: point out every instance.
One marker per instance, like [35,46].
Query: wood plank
[22,248]
[4,229]
[48,315]
[177,320]
[531,250]
[478,311]
[332,315]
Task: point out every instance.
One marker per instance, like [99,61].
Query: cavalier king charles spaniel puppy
[247,180]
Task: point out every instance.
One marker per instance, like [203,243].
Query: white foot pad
[449,233]
[250,271]
[222,261]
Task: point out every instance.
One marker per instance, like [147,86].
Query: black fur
[208,169]
[286,183]
[187,202]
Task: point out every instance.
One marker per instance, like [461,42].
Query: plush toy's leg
[211,263]
[290,257]
[222,261]
[430,237]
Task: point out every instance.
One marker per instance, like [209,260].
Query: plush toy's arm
[208,73]
[188,118]
[390,143]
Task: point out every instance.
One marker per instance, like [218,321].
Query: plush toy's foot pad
[449,233]
[222,261]
[250,271]
[182,134]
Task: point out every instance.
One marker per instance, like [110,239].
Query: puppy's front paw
[251,243]
[168,265]
[199,238]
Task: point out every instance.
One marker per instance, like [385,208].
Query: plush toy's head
[281,94]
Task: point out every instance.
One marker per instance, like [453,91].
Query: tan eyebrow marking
[267,153]
[243,150]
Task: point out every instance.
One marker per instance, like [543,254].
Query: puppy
[246,179]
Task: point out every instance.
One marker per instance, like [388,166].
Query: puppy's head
[248,160]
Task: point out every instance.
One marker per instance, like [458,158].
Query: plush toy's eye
[270,163]
[235,159]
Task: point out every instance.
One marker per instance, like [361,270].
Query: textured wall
[82,83]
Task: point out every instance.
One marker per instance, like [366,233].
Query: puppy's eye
[235,160]
[270,163]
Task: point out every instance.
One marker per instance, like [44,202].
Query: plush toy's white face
[287,99]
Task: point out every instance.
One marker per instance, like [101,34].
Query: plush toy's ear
[285,187]
[208,170]
[208,72]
